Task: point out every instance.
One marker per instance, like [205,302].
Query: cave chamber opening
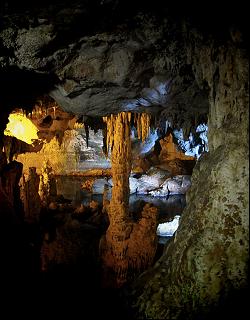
[97,197]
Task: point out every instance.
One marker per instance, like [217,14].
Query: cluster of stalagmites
[37,191]
[128,248]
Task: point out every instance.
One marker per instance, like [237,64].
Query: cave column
[121,168]
[128,248]
[115,244]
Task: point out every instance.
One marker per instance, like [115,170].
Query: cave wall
[63,157]
[204,269]
[70,155]
[206,262]
[105,69]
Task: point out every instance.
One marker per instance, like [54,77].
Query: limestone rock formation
[97,58]
[127,248]
[30,196]
[47,185]
[205,266]
[112,67]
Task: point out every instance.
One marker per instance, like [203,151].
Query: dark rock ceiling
[101,57]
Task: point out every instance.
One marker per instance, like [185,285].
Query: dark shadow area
[21,88]
[65,290]
[211,17]
[234,306]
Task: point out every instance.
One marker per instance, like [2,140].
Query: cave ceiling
[100,57]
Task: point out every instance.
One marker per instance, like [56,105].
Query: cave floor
[73,288]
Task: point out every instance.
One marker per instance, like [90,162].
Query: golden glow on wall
[140,120]
[21,127]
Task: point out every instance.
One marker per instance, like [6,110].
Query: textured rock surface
[168,67]
[204,268]
[103,66]
[169,150]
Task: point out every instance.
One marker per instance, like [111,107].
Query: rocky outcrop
[169,150]
[204,267]
[12,243]
[112,67]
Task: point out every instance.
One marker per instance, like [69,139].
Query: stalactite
[141,122]
[145,125]
[186,131]
[104,147]
[122,250]
[87,133]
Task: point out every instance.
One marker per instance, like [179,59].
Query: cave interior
[124,163]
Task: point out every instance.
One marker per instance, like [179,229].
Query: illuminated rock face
[63,157]
[169,150]
[69,146]
[21,127]
[127,248]
[174,160]
[205,266]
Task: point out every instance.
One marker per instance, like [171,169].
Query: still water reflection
[168,207]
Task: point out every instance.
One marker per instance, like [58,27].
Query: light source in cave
[21,127]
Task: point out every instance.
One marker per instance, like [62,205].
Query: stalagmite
[118,138]
[30,196]
[123,252]
[47,185]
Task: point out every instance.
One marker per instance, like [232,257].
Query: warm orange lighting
[21,127]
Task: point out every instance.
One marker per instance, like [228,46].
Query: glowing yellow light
[21,127]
